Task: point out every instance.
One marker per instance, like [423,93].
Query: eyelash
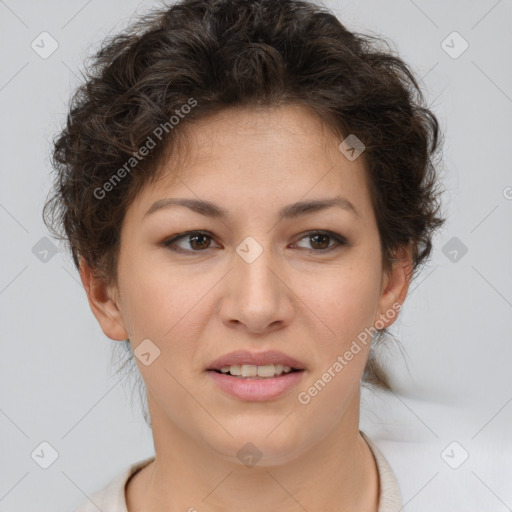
[340,241]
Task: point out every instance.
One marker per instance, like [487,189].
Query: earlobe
[103,303]
[394,288]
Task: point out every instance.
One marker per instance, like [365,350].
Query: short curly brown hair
[235,53]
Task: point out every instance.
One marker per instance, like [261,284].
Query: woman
[247,189]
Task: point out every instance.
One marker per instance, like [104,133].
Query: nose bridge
[253,264]
[255,295]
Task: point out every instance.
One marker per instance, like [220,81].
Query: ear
[395,284]
[103,300]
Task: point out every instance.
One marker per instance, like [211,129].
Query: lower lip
[254,389]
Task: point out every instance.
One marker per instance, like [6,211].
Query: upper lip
[241,357]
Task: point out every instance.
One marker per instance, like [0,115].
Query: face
[263,274]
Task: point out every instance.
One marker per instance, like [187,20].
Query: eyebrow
[290,211]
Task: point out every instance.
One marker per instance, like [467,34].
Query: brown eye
[320,241]
[199,241]
[193,241]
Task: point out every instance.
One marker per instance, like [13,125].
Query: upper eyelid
[183,236]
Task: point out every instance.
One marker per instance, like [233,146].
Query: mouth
[256,377]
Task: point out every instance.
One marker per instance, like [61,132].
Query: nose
[257,296]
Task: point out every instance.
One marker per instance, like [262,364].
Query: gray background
[453,383]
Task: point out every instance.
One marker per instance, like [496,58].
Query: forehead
[255,156]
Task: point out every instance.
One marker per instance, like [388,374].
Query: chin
[265,443]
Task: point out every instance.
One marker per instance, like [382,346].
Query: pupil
[324,236]
[205,238]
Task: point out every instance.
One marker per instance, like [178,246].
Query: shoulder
[111,498]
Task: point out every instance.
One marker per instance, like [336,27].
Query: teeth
[268,370]
[233,369]
[251,370]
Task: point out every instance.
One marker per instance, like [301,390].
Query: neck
[337,473]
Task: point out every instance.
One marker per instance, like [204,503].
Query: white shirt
[111,498]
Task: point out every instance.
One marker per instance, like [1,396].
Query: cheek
[344,302]
[344,310]
[163,305]
[152,299]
